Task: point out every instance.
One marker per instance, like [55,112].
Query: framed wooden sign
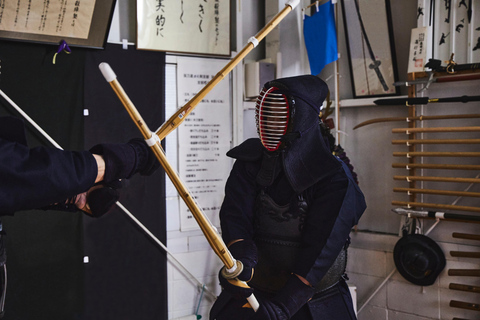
[193,26]
[83,23]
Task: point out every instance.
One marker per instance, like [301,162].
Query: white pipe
[33,123]
[174,260]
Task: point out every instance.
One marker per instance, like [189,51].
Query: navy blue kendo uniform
[288,211]
[33,178]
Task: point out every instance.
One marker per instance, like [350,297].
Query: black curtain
[125,277]
[126,274]
[44,248]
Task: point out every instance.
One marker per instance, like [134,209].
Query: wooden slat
[464,287]
[439,192]
[438,179]
[465,305]
[436,129]
[436,154]
[437,166]
[465,254]
[464,272]
[436,141]
[467,236]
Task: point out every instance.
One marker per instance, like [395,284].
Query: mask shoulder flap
[249,150]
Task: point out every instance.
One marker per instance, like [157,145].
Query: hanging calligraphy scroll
[82,23]
[193,26]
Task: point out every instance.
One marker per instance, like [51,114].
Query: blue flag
[321,37]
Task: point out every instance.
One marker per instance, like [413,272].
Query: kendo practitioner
[52,179]
[289,207]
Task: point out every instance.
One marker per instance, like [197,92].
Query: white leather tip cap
[107,71]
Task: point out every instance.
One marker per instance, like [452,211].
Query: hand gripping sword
[153,139]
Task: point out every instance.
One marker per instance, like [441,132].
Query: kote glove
[124,160]
[286,302]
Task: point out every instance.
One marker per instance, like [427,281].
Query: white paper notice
[418,50]
[204,138]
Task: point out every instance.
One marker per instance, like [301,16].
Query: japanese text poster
[204,138]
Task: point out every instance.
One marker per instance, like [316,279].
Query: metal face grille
[272,113]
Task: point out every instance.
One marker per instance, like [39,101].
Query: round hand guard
[245,252]
[237,288]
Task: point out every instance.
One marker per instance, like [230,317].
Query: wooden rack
[412,158]
[413,162]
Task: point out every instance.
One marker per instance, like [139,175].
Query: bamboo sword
[153,139]
[233,267]
[178,117]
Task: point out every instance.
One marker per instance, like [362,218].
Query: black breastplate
[281,222]
[278,232]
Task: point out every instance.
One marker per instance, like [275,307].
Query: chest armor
[278,233]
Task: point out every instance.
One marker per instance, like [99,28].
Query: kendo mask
[274,112]
[287,117]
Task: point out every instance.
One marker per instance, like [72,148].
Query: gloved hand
[97,201]
[246,252]
[236,289]
[101,200]
[124,160]
[286,302]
